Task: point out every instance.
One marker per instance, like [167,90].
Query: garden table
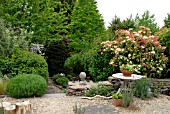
[126,79]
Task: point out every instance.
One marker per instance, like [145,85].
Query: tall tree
[86,29]
[147,20]
[167,21]
[86,25]
[117,24]
[44,18]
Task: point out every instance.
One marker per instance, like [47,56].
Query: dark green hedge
[56,53]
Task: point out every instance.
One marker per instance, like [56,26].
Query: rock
[79,88]
[110,78]
[105,83]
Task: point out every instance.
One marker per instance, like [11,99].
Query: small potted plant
[127,70]
[117,98]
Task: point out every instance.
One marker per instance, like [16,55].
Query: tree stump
[9,109]
[18,108]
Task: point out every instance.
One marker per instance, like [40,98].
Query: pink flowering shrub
[140,49]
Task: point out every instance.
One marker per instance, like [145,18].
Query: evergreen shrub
[137,48]
[63,81]
[26,85]
[164,38]
[56,53]
[26,62]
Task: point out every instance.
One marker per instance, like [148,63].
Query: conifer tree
[44,18]
[86,34]
[86,25]
[147,20]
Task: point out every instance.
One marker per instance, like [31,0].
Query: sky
[124,8]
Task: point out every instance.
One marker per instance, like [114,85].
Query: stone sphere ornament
[82,76]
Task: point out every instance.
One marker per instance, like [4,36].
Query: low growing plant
[99,90]
[63,81]
[26,85]
[55,77]
[117,95]
[128,93]
[141,88]
[127,67]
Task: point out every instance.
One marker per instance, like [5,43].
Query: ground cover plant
[99,90]
[26,85]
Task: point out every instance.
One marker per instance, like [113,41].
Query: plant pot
[126,73]
[117,102]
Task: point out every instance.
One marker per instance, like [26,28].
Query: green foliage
[99,90]
[81,61]
[117,95]
[25,62]
[26,85]
[147,20]
[86,32]
[167,21]
[99,68]
[55,77]
[10,39]
[56,53]
[44,18]
[139,49]
[127,67]
[128,93]
[86,25]
[63,81]
[68,5]
[164,38]
[117,23]
[141,88]
[2,88]
[156,90]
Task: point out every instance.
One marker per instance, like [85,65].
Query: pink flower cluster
[140,49]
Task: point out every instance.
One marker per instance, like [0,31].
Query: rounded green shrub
[55,77]
[63,81]
[26,85]
[29,63]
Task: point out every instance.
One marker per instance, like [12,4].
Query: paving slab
[100,109]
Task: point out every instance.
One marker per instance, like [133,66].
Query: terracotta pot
[126,73]
[117,102]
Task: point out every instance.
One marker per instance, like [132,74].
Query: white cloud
[124,8]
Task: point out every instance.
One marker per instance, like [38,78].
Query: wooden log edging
[23,107]
[97,97]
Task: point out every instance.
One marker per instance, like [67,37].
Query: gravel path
[61,104]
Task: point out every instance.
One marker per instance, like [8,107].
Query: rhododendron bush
[140,49]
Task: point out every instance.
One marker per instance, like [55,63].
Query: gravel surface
[61,104]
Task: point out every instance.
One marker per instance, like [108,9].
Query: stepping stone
[100,109]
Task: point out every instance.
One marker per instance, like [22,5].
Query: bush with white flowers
[140,49]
